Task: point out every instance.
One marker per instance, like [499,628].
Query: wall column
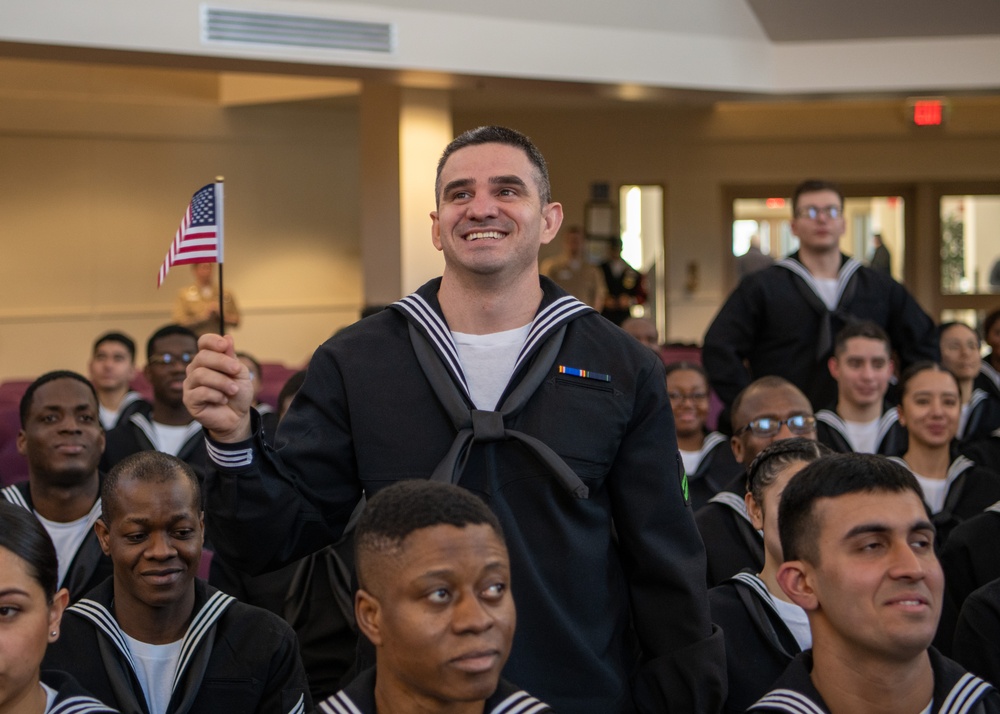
[403,132]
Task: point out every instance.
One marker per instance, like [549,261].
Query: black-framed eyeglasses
[768,426]
[169,358]
[814,212]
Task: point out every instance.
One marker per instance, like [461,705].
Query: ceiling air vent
[261,28]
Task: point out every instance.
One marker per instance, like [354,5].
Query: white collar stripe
[759,588]
[730,499]
[438,332]
[787,700]
[94,515]
[885,423]
[147,428]
[99,615]
[543,321]
[711,441]
[79,705]
[988,370]
[14,495]
[339,703]
[199,627]
[436,327]
[300,706]
[518,703]
[847,270]
[832,419]
[964,695]
[958,466]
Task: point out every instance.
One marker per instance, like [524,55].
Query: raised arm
[218,391]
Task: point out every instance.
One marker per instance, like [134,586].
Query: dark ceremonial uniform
[583,439]
[777,322]
[235,658]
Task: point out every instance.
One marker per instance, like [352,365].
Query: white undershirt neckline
[488,362]
[170,439]
[826,288]
[155,668]
[863,435]
[67,538]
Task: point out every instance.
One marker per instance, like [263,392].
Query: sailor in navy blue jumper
[495,379]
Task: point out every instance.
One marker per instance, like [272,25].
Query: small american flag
[199,238]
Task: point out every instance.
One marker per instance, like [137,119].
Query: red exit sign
[928,112]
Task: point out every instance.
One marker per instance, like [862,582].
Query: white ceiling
[775,20]
[632,50]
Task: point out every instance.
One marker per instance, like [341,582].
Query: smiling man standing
[782,320]
[493,378]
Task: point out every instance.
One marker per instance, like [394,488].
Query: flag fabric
[199,238]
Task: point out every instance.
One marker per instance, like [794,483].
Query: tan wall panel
[89,215]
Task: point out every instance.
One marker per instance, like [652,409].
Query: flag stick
[222,294]
[222,317]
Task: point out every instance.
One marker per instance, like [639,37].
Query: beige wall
[91,194]
[91,191]
[695,152]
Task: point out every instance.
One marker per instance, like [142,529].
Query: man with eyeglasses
[782,320]
[166,425]
[769,410]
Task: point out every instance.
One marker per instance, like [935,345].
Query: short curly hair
[395,512]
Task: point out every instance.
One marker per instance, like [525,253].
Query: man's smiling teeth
[495,235]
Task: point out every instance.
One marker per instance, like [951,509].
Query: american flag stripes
[199,238]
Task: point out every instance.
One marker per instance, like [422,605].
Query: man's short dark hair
[830,477]
[407,506]
[499,135]
[812,186]
[863,328]
[29,393]
[121,338]
[167,331]
[149,467]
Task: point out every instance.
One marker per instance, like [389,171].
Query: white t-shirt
[67,538]
[935,490]
[827,288]
[797,621]
[863,435]
[488,362]
[155,667]
[692,460]
[170,439]
[108,417]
